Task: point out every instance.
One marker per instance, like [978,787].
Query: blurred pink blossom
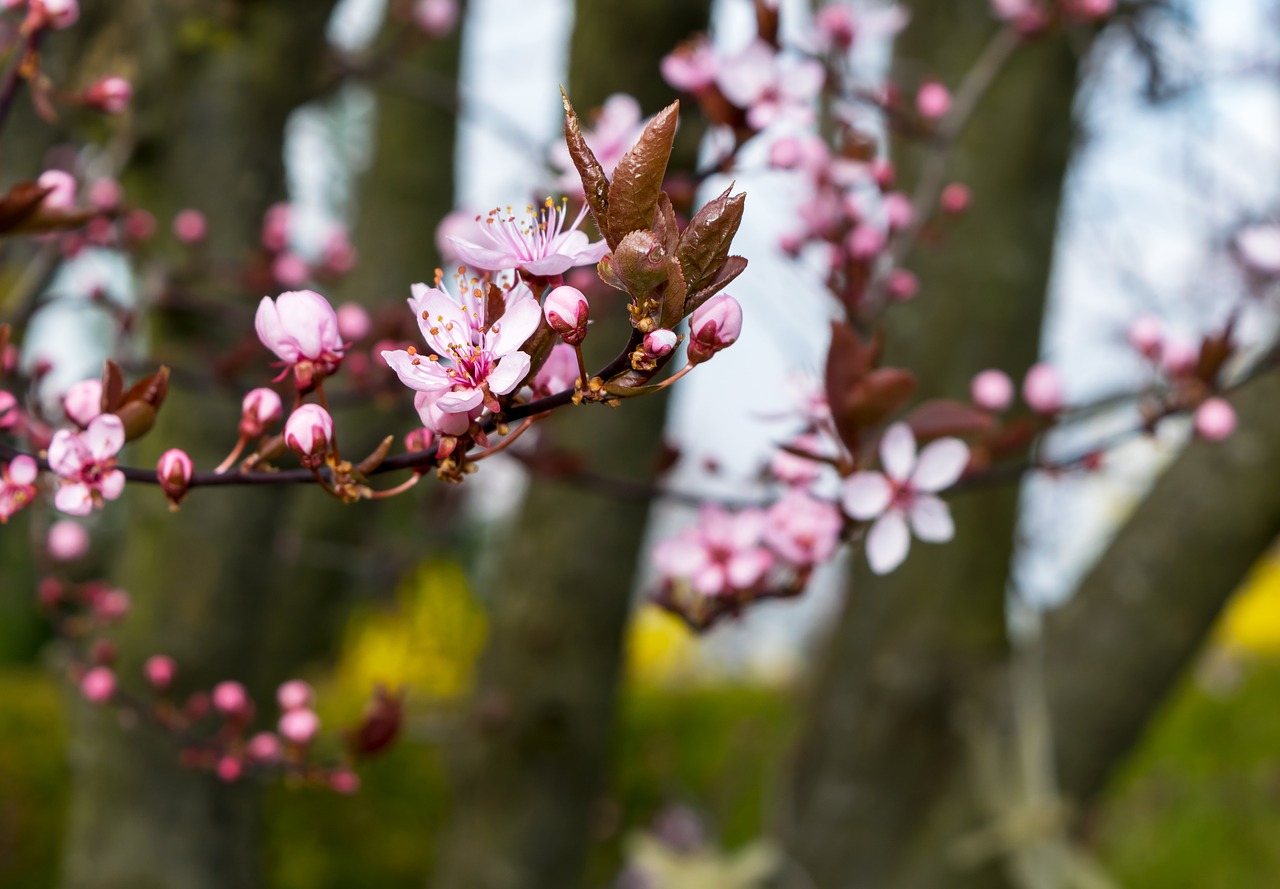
[86,464]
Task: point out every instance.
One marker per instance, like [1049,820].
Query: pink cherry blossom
[435,17]
[691,66]
[174,471]
[1146,335]
[992,390]
[275,227]
[189,226]
[769,86]
[308,434]
[353,321]
[536,243]
[566,310]
[339,255]
[902,284]
[111,604]
[1179,357]
[722,554]
[933,101]
[1042,389]
[67,540]
[956,198]
[56,14]
[898,211]
[802,529]
[110,94]
[259,411]
[295,695]
[86,464]
[264,747]
[98,685]
[105,194]
[290,270]
[904,495]
[473,360]
[1215,419]
[344,781]
[557,373]
[62,185]
[83,402]
[439,421]
[301,328]
[159,670]
[299,726]
[17,485]
[836,27]
[229,769]
[230,698]
[714,325]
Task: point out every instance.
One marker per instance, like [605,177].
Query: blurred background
[1075,692]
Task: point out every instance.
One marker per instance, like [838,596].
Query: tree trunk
[216,83]
[531,767]
[881,748]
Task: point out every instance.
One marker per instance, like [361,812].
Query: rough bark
[531,767]
[216,83]
[881,750]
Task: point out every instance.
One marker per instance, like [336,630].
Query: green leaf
[595,184]
[637,180]
[704,246]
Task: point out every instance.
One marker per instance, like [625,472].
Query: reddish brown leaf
[704,246]
[595,183]
[112,386]
[637,180]
[730,269]
[19,203]
[942,417]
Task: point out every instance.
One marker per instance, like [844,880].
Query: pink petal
[105,436]
[898,452]
[510,371]
[67,454]
[460,400]
[301,321]
[941,463]
[555,264]
[23,471]
[888,542]
[271,331]
[112,484]
[482,258]
[425,376]
[931,519]
[445,325]
[866,495]
[746,569]
[74,499]
[517,324]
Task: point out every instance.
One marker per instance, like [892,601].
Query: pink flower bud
[436,18]
[62,194]
[189,226]
[1215,419]
[230,769]
[275,227]
[83,402]
[111,605]
[786,153]
[139,225]
[105,194]
[992,390]
[714,325]
[301,328]
[353,322]
[67,540]
[566,310]
[264,747]
[660,342]
[1146,336]
[308,433]
[9,413]
[884,173]
[933,101]
[1180,357]
[295,695]
[836,26]
[299,726]
[290,270]
[159,671]
[260,410]
[865,242]
[955,198]
[898,211]
[345,782]
[230,698]
[339,257]
[110,95]
[174,471]
[903,285]
[419,440]
[1042,389]
[98,685]
[56,14]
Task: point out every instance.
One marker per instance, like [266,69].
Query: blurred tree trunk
[882,749]
[216,83]
[530,768]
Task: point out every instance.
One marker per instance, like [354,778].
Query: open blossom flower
[474,361]
[722,554]
[904,494]
[537,243]
[769,86]
[86,463]
[557,373]
[302,329]
[17,485]
[802,529]
[691,66]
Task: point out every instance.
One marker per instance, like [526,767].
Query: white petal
[888,542]
[555,264]
[425,376]
[509,372]
[931,519]
[941,463]
[898,452]
[517,324]
[866,495]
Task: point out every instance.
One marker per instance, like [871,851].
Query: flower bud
[55,14]
[345,782]
[98,685]
[1180,357]
[992,390]
[308,433]
[955,198]
[1215,419]
[353,322]
[1145,335]
[1042,389]
[714,325]
[264,747]
[933,101]
[189,226]
[231,699]
[83,402]
[174,471]
[111,604]
[159,670]
[436,18]
[660,342]
[566,310]
[110,95]
[9,414]
[260,411]
[865,242]
[898,211]
[139,225]
[67,540]
[275,227]
[419,440]
[299,726]
[230,769]
[290,270]
[105,194]
[295,695]
[903,285]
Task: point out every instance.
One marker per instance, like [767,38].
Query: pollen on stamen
[412,350]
